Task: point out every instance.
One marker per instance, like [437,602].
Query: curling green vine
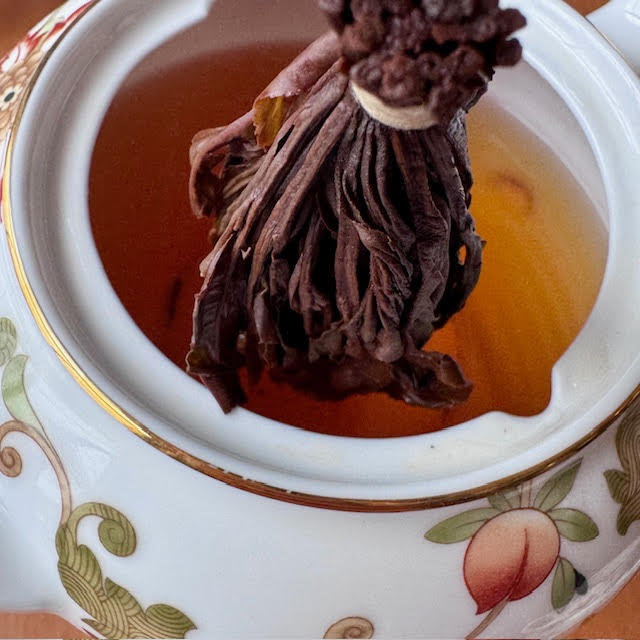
[115,613]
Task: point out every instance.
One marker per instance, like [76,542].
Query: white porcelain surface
[619,20]
[236,564]
[590,382]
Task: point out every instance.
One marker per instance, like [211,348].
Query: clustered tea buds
[435,52]
[342,242]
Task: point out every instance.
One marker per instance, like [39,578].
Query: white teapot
[133,507]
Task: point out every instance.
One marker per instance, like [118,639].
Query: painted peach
[510,557]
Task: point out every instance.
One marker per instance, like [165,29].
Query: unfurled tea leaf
[574,525]
[270,114]
[564,584]
[460,527]
[557,488]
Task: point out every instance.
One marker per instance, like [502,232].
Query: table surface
[620,619]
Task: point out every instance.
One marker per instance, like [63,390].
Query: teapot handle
[619,22]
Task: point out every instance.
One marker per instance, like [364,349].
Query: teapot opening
[126,373]
[543,234]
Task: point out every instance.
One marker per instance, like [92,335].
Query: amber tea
[543,262]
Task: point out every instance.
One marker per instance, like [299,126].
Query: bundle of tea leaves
[340,204]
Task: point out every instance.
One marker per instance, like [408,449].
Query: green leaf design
[129,604]
[105,631]
[460,527]
[574,525]
[80,585]
[14,394]
[624,486]
[500,502]
[628,440]
[619,485]
[564,584]
[115,613]
[8,340]
[557,488]
[629,513]
[173,622]
[116,532]
[65,543]
[514,496]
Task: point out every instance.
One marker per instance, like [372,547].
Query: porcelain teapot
[133,507]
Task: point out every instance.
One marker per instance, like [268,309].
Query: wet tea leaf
[329,191]
[270,114]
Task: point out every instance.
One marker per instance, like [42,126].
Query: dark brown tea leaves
[343,237]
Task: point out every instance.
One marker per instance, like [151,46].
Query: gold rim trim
[202,466]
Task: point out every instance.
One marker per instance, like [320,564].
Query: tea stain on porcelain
[624,485]
[516,543]
[351,628]
[114,612]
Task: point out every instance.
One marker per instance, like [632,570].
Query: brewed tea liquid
[543,263]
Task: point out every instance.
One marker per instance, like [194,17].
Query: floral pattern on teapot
[115,613]
[18,67]
[515,543]
[624,485]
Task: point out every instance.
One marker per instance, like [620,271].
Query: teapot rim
[241,480]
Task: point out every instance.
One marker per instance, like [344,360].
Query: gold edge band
[206,468]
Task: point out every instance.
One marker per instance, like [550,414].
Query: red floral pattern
[18,67]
